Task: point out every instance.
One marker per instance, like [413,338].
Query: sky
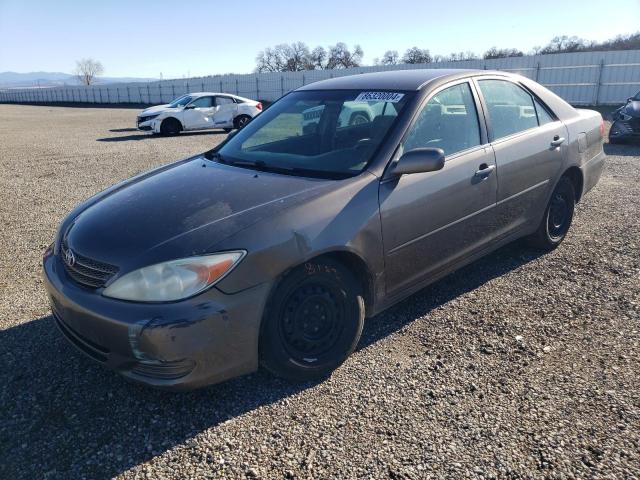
[196,38]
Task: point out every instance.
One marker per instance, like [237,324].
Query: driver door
[199,114]
[431,220]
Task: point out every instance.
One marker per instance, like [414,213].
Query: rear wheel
[241,121]
[313,322]
[557,217]
[170,126]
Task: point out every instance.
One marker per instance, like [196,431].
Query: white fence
[584,78]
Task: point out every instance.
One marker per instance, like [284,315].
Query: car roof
[390,79]
[203,94]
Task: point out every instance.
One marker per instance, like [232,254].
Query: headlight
[146,118]
[174,280]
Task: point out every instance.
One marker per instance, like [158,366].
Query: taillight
[601,128]
[259,106]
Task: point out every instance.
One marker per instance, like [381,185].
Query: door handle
[557,141]
[485,170]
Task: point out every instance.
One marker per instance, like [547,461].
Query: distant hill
[50,79]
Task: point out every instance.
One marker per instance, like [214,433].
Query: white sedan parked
[199,111]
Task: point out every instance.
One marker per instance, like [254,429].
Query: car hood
[157,109]
[182,211]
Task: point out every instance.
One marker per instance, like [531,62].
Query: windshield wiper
[261,165]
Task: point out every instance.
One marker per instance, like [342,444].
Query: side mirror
[419,160]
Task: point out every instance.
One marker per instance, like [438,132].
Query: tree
[390,57]
[564,44]
[318,58]
[87,69]
[296,57]
[417,55]
[284,58]
[461,56]
[339,56]
[495,52]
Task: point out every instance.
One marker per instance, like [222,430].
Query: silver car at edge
[274,246]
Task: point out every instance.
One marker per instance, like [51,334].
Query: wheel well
[575,175]
[173,119]
[359,268]
[355,264]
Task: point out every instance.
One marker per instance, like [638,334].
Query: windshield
[332,133]
[180,101]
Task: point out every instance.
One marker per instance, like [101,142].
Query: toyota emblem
[69,258]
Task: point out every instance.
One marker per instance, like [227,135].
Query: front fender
[346,219]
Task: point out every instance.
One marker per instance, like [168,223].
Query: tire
[557,217]
[313,322]
[170,126]
[359,118]
[240,121]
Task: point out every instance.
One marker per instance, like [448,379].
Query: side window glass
[511,108]
[223,101]
[202,102]
[448,121]
[543,114]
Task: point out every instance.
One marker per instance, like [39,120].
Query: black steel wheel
[557,217]
[313,321]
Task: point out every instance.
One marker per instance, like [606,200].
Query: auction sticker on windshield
[392,97]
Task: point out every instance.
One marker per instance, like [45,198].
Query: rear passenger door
[431,220]
[225,112]
[529,144]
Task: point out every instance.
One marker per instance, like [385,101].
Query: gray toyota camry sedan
[341,199]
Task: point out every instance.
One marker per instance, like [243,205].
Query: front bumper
[181,345]
[625,129]
[145,126]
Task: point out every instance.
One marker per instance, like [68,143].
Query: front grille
[86,271]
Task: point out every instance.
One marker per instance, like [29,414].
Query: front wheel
[170,126]
[557,217]
[313,322]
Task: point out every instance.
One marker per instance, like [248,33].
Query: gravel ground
[521,365]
